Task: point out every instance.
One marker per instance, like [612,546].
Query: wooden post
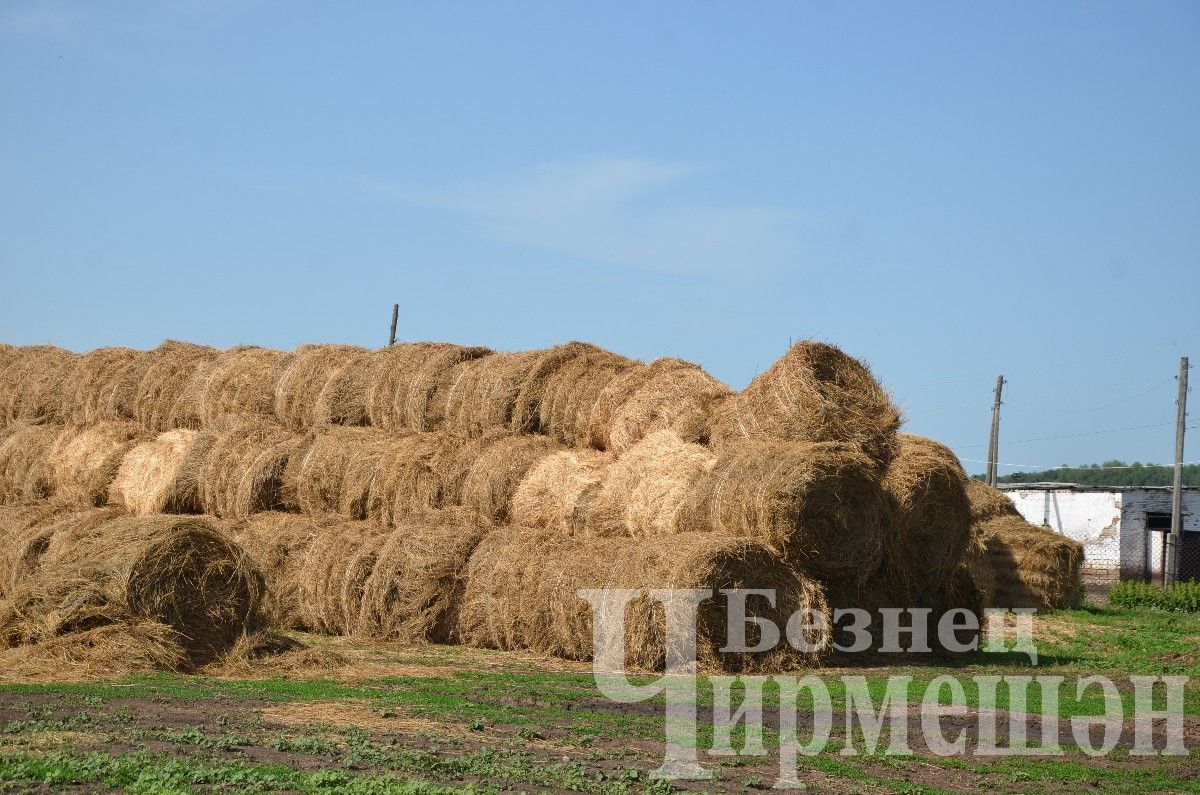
[994,440]
[1171,573]
[395,317]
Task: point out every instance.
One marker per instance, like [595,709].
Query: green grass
[1183,597]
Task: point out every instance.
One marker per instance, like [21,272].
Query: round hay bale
[313,372]
[161,401]
[559,490]
[668,394]
[278,543]
[239,380]
[334,569]
[21,552]
[82,462]
[1033,566]
[493,478]
[107,652]
[572,390]
[407,381]
[644,491]
[455,461]
[988,502]
[240,470]
[343,396]
[522,585]
[819,505]
[335,471]
[931,516]
[103,385]
[23,451]
[408,479]
[414,590]
[150,480]
[482,393]
[976,564]
[814,393]
[176,570]
[32,384]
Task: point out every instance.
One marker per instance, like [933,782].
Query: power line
[1071,435]
[1044,468]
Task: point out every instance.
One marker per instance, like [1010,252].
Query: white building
[1121,528]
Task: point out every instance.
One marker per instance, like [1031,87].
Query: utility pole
[994,441]
[1171,574]
[395,317]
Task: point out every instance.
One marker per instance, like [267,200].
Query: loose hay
[415,588]
[179,571]
[308,392]
[23,451]
[239,380]
[560,489]
[522,584]
[111,651]
[643,492]
[814,393]
[667,394]
[31,384]
[819,505]
[103,385]
[82,462]
[493,478]
[240,470]
[162,400]
[408,383]
[931,516]
[1032,566]
[150,478]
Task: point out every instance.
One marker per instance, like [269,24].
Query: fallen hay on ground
[819,505]
[31,384]
[814,393]
[176,570]
[408,382]
[667,394]
[240,469]
[162,399]
[150,478]
[522,584]
[644,490]
[23,451]
[106,652]
[415,587]
[559,490]
[83,461]
[306,391]
[103,385]
[930,518]
[239,380]
[1032,566]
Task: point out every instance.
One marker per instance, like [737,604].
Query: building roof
[1049,486]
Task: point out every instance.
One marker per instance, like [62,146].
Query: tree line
[1110,473]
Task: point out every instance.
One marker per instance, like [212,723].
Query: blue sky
[949,191]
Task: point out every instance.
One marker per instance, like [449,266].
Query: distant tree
[1110,473]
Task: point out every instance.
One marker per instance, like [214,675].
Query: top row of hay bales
[578,394]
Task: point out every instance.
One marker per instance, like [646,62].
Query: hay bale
[82,462]
[522,585]
[930,518]
[343,396]
[978,567]
[150,478]
[408,478]
[107,652]
[988,502]
[22,550]
[819,505]
[312,373]
[644,490]
[572,389]
[667,394]
[162,400]
[407,384]
[482,395]
[1032,566]
[415,588]
[240,380]
[23,451]
[492,479]
[239,466]
[176,570]
[333,573]
[31,384]
[559,490]
[278,543]
[814,393]
[335,471]
[103,385]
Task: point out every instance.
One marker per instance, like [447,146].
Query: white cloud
[621,211]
